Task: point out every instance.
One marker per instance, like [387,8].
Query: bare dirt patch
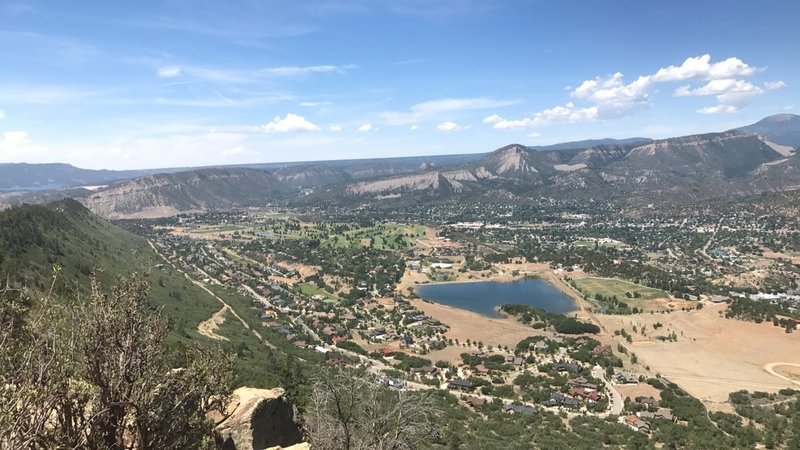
[475,327]
[632,391]
[792,372]
[713,356]
[208,328]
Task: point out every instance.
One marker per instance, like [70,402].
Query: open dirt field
[632,391]
[469,325]
[713,356]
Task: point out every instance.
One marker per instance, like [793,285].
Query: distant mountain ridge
[685,168]
[582,145]
[782,129]
[36,177]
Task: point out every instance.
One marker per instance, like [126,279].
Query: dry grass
[632,391]
[713,356]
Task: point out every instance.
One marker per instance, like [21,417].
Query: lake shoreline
[542,294]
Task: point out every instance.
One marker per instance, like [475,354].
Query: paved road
[704,250]
[616,402]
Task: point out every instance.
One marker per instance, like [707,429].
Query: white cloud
[568,113]
[295,70]
[290,123]
[450,127]
[731,94]
[335,128]
[16,146]
[435,109]
[367,127]
[774,85]
[2,114]
[414,127]
[700,67]
[611,97]
[169,72]
[534,135]
[494,118]
[719,109]
[718,87]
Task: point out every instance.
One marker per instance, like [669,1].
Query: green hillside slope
[35,239]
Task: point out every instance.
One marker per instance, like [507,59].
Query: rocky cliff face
[259,419]
[199,190]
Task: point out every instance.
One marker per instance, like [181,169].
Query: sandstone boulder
[259,419]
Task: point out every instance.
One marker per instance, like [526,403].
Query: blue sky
[143,84]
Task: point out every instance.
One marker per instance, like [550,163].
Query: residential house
[661,413]
[601,350]
[427,370]
[511,408]
[626,378]
[637,424]
[649,401]
[559,399]
[481,369]
[562,366]
[461,385]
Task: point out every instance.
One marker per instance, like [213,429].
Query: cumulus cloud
[719,109]
[335,128]
[700,67]
[169,72]
[611,97]
[367,127]
[435,109]
[16,145]
[494,118]
[450,127]
[774,85]
[732,95]
[568,113]
[290,123]
[414,127]
[2,114]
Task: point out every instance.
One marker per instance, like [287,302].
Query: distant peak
[512,148]
[785,117]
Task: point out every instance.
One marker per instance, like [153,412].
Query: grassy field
[609,287]
[311,289]
[219,229]
[382,237]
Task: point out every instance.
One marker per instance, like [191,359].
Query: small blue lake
[482,297]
